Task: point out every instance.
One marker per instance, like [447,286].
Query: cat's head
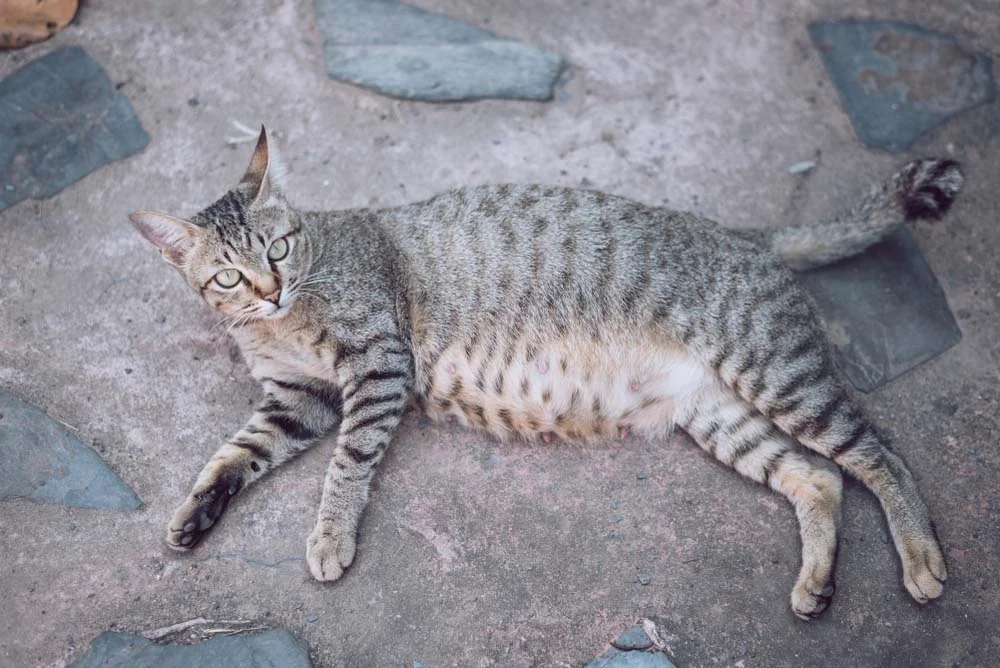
[246,254]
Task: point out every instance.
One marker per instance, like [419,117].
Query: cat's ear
[173,236]
[265,175]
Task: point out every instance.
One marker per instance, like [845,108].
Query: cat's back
[550,250]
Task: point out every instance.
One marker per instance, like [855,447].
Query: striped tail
[923,189]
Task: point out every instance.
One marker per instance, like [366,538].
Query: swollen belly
[572,388]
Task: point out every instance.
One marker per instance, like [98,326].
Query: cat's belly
[571,387]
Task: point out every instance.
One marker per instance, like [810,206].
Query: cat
[544,312]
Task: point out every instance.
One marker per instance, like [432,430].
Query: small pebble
[311,618]
[641,475]
[645,578]
[888,596]
[617,519]
[801,167]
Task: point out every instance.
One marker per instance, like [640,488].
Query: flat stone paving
[899,80]
[476,553]
[61,120]
[42,460]
[272,649]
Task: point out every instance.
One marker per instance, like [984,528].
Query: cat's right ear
[265,175]
[173,236]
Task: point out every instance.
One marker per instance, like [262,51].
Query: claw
[547,436]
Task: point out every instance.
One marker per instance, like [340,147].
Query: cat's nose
[274,297]
[269,287]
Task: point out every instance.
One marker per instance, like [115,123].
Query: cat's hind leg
[770,348]
[818,411]
[293,415]
[739,436]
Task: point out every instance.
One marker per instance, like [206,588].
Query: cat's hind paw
[329,551]
[199,513]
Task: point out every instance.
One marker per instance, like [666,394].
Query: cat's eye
[228,278]
[278,250]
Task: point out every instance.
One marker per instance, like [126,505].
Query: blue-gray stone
[884,311]
[42,461]
[634,638]
[271,649]
[897,80]
[404,51]
[61,119]
[634,659]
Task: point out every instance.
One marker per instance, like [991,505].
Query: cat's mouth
[272,311]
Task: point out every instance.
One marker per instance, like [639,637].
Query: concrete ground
[474,553]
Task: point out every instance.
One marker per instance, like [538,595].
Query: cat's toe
[329,551]
[809,601]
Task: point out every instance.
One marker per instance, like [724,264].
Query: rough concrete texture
[474,553]
[397,49]
[884,311]
[272,649]
[61,120]
[42,461]
[897,81]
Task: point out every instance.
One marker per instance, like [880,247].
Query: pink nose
[274,296]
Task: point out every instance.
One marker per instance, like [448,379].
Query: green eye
[278,250]
[228,278]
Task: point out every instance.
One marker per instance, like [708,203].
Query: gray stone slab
[42,461]
[60,119]
[884,311]
[634,638]
[897,80]
[404,51]
[614,658]
[273,649]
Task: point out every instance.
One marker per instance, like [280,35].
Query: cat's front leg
[374,399]
[293,415]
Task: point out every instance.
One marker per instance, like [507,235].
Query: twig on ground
[156,634]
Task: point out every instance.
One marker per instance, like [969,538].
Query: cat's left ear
[265,175]
[173,236]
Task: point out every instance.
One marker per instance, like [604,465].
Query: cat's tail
[923,189]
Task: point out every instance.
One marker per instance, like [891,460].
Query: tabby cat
[543,312]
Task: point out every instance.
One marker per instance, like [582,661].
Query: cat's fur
[543,311]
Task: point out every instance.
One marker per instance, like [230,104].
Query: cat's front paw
[200,511]
[330,550]
[924,572]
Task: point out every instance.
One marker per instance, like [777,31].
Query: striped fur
[540,312]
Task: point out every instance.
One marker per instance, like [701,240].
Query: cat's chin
[278,313]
